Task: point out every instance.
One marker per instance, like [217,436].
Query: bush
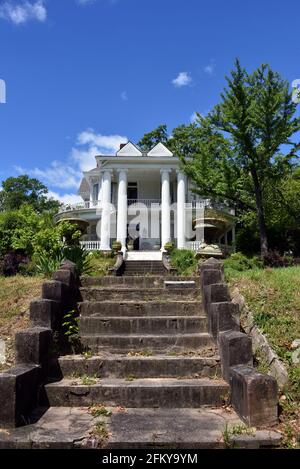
[184,261]
[274,259]
[12,262]
[239,262]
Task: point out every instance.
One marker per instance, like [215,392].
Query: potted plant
[130,245]
[117,246]
[169,246]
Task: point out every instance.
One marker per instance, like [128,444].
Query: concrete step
[123,343]
[117,293]
[140,308]
[142,282]
[150,392]
[132,428]
[140,366]
[148,325]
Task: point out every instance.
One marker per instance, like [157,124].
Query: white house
[143,199]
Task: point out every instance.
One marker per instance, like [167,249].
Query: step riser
[138,295]
[141,368]
[91,325]
[142,282]
[170,308]
[124,344]
[137,396]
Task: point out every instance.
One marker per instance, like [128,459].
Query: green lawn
[273,296]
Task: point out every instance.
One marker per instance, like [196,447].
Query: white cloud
[182,79]
[19,13]
[124,96]
[64,199]
[58,174]
[209,69]
[67,175]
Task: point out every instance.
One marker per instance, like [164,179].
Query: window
[95,191]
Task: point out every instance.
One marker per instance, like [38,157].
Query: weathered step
[133,428]
[142,282]
[141,308]
[150,392]
[175,429]
[123,343]
[148,325]
[100,294]
[140,366]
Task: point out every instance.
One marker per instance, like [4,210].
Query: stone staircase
[150,350]
[144,267]
[149,363]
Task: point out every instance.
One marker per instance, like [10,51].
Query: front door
[132,193]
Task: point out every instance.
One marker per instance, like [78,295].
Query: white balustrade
[90,245]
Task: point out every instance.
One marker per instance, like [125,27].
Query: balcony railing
[197,204]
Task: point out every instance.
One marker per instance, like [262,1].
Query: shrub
[239,262]
[274,259]
[11,263]
[79,256]
[184,261]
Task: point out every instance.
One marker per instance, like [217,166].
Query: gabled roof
[129,150]
[84,187]
[160,150]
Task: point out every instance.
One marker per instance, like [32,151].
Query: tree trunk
[260,214]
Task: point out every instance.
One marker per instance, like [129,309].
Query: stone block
[222,316]
[215,293]
[235,348]
[211,276]
[45,313]
[69,265]
[33,345]
[211,263]
[54,290]
[254,396]
[19,394]
[65,276]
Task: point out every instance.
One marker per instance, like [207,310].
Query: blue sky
[83,75]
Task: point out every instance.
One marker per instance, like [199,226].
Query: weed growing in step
[140,353]
[229,433]
[100,431]
[88,380]
[130,378]
[87,354]
[99,411]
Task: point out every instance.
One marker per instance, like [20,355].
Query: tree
[256,120]
[150,139]
[257,112]
[17,191]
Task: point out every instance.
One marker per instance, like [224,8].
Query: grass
[100,264]
[273,296]
[16,294]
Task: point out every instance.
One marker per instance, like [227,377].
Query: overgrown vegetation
[184,261]
[273,296]
[15,296]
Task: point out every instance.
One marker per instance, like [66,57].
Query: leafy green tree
[17,191]
[245,137]
[150,139]
[258,115]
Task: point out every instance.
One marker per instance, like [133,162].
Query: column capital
[109,170]
[165,170]
[121,170]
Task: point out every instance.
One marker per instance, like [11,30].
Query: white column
[122,208]
[165,207]
[181,181]
[106,209]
